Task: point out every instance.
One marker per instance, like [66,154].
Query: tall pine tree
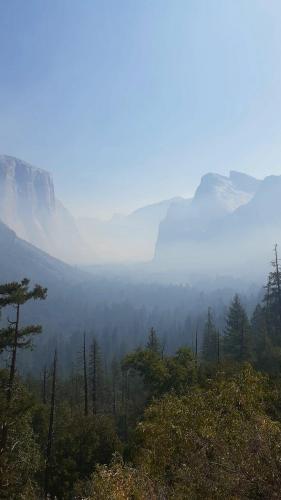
[237,334]
[210,340]
[14,336]
[272,301]
[153,343]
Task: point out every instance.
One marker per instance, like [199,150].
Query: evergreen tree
[272,301]
[210,340]
[153,343]
[20,461]
[237,334]
[96,375]
[13,337]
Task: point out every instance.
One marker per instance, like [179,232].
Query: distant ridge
[20,259]
[230,226]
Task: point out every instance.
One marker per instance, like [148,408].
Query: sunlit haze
[129,103]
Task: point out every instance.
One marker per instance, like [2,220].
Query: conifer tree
[153,343]
[96,375]
[13,337]
[210,340]
[237,334]
[272,301]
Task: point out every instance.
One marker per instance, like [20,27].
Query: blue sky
[128,102]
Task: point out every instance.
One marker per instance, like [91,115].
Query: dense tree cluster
[203,421]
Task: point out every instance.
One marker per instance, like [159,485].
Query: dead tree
[51,425]
[44,386]
[218,348]
[95,374]
[196,347]
[86,409]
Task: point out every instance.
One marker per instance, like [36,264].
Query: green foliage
[267,356]
[162,374]
[237,344]
[213,443]
[190,428]
[16,294]
[272,301]
[119,482]
[80,443]
[19,455]
[20,460]
[210,340]
[153,343]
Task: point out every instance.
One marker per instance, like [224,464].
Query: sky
[130,102]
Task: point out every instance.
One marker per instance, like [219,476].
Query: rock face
[229,226]
[126,237]
[28,206]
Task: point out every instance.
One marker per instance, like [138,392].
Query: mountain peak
[244,182]
[218,194]
[7,161]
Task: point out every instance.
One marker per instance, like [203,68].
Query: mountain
[126,238]
[229,226]
[19,259]
[28,205]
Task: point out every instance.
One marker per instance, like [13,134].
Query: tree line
[202,422]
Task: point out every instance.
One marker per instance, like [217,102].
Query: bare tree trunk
[218,348]
[94,361]
[125,394]
[51,425]
[114,396]
[44,387]
[9,394]
[278,279]
[196,348]
[86,409]
[242,346]
[14,357]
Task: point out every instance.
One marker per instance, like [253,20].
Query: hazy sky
[128,102]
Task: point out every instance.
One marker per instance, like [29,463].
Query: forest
[200,419]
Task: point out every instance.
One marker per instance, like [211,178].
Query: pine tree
[266,356]
[259,329]
[153,343]
[237,334]
[272,301]
[14,295]
[96,375]
[210,340]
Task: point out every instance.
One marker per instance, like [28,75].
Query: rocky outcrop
[228,227]
[28,206]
